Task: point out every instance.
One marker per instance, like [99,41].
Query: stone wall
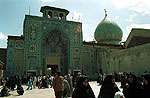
[135,59]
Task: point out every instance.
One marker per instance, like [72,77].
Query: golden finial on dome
[105,13]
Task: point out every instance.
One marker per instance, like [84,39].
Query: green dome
[108,32]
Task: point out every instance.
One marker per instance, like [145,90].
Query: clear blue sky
[127,14]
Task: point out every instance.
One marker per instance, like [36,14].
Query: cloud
[3,36]
[117,17]
[144,26]
[87,35]
[123,3]
[77,15]
[129,28]
[47,0]
[85,25]
[131,17]
[140,6]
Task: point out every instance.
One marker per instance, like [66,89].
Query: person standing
[123,80]
[43,82]
[12,83]
[47,81]
[69,79]
[39,81]
[66,88]
[146,86]
[51,81]
[58,85]
[132,89]
[108,88]
[104,75]
[4,81]
[83,89]
[99,79]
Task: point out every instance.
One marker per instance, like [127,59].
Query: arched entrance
[52,69]
[52,64]
[55,52]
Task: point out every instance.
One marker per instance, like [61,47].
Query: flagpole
[29,9]
[79,18]
[72,16]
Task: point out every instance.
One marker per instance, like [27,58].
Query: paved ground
[96,88]
[48,92]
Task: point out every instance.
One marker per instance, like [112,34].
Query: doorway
[76,72]
[52,69]
[31,74]
[55,52]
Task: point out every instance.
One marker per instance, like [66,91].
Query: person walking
[30,83]
[58,85]
[69,79]
[66,88]
[83,89]
[146,86]
[108,88]
[132,89]
[34,82]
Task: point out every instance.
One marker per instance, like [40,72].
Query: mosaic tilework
[19,44]
[31,63]
[10,56]
[42,27]
[108,32]
[76,64]
[18,62]
[77,50]
[33,32]
[32,48]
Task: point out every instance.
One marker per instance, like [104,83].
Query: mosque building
[52,43]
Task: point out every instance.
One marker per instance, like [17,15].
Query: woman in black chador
[4,91]
[132,89]
[83,89]
[146,86]
[20,90]
[109,88]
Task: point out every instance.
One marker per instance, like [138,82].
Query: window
[56,15]
[61,16]
[49,14]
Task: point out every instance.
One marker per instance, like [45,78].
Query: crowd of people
[10,83]
[79,87]
[44,81]
[132,86]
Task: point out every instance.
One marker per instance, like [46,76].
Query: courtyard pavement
[48,92]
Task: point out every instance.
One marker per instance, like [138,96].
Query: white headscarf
[119,95]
